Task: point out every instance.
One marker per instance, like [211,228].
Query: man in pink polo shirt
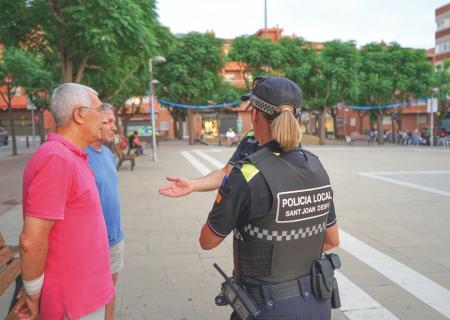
[63,245]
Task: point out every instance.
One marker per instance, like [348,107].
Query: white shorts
[116,256]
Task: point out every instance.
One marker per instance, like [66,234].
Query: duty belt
[269,293]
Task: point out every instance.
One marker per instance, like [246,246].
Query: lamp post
[9,81]
[156,60]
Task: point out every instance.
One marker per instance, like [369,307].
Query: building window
[440,24]
[229,77]
[422,119]
[442,46]
[164,125]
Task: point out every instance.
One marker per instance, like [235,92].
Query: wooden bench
[123,157]
[355,137]
[9,273]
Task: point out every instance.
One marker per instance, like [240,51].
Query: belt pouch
[322,279]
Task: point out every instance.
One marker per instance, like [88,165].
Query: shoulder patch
[251,133]
[248,170]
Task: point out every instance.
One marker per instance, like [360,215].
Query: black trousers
[295,309]
[302,307]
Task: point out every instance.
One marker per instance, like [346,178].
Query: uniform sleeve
[48,189]
[331,215]
[232,204]
[237,155]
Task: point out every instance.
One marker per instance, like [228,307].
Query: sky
[411,23]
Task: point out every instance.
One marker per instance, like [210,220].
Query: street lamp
[156,60]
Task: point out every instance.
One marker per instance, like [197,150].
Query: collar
[99,151]
[273,146]
[69,145]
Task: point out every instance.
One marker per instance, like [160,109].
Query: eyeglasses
[100,108]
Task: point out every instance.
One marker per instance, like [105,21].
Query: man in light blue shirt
[102,163]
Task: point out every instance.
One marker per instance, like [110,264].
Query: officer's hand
[180,187]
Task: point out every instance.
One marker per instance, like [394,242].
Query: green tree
[392,74]
[262,55]
[20,69]
[105,44]
[299,60]
[441,87]
[191,75]
[334,79]
[81,32]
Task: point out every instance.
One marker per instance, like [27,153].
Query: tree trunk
[191,126]
[41,126]
[334,116]
[380,128]
[66,66]
[125,126]
[180,128]
[322,125]
[175,127]
[393,129]
[361,122]
[13,129]
[317,125]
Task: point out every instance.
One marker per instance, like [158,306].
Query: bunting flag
[391,106]
[185,106]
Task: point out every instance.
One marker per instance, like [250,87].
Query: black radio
[233,294]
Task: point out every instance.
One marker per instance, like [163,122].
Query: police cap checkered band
[272,92]
[262,105]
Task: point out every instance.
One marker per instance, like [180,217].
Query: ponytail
[286,129]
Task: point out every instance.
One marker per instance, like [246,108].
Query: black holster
[324,284]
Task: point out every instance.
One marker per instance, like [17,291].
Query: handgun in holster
[324,284]
[233,294]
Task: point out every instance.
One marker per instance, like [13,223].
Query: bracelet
[33,287]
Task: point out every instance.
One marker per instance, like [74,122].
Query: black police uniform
[278,214]
[246,147]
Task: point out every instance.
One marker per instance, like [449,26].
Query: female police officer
[279,204]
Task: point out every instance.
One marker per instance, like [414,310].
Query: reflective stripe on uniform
[283,235]
[249,171]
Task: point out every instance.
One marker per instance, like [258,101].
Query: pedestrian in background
[63,244]
[103,166]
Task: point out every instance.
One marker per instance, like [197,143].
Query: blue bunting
[390,106]
[185,106]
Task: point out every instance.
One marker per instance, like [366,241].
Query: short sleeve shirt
[239,201]
[247,146]
[103,165]
[58,185]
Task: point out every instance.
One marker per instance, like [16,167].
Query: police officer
[278,203]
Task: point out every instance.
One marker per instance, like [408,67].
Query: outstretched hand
[179,187]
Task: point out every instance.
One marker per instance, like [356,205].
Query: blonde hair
[286,128]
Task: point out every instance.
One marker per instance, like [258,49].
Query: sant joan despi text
[308,203]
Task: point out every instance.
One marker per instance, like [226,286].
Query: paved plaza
[393,210]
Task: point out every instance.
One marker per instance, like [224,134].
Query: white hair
[66,97]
